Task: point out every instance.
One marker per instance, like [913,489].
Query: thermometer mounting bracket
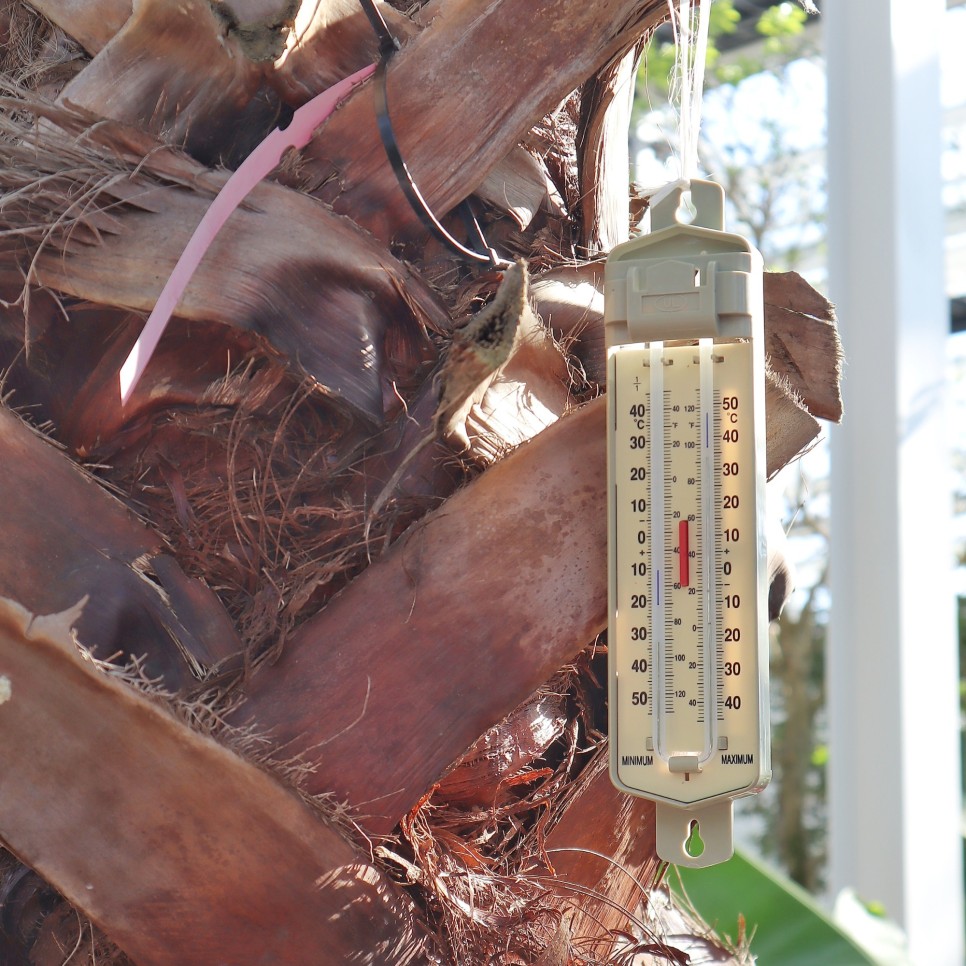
[687,587]
[684,280]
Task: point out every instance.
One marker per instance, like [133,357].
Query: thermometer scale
[687,636]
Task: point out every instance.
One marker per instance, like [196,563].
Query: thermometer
[687,633]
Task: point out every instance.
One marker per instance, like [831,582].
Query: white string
[689,22]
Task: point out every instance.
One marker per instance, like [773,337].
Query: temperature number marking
[730,411]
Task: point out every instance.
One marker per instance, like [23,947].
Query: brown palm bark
[168,826]
[297,559]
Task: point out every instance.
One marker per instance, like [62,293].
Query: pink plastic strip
[256,166]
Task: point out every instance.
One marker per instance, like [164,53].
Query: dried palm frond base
[476,852]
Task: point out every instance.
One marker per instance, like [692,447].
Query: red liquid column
[684,556]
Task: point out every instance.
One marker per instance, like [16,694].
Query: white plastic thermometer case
[687,636]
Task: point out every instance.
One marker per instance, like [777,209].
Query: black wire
[409,187]
[388,45]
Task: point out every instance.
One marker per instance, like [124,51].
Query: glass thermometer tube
[682,461]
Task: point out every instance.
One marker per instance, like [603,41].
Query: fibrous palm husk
[308,285]
[95,547]
[281,880]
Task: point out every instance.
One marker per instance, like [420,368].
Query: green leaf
[660,56]
[820,756]
[787,925]
[781,26]
[658,66]
[736,70]
[785,20]
[723,19]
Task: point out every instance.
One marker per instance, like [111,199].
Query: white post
[894,778]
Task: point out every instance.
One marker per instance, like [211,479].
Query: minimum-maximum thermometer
[687,636]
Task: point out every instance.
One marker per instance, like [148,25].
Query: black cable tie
[408,185]
[473,229]
[388,45]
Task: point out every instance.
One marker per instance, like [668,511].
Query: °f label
[687,563]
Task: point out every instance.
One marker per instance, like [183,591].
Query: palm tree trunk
[443,696]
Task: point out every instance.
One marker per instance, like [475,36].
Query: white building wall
[894,778]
